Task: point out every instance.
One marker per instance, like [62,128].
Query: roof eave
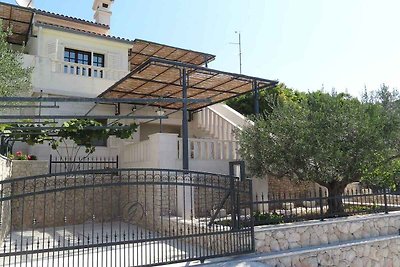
[92,34]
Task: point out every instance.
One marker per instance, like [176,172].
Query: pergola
[162,76]
[18,20]
[142,50]
[158,74]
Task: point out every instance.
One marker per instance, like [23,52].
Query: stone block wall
[333,231]
[62,201]
[143,205]
[24,168]
[373,252]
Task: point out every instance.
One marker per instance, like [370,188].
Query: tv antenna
[240,50]
[25,3]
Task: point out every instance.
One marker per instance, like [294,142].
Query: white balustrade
[83,70]
[146,152]
[136,152]
[216,124]
[210,149]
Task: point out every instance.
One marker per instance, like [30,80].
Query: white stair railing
[210,149]
[221,121]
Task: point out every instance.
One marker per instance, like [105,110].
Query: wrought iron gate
[123,217]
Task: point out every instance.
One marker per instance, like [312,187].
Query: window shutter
[53,50]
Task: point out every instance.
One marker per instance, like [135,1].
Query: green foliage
[357,209]
[15,80]
[331,139]
[269,98]
[268,218]
[35,135]
[79,131]
[385,176]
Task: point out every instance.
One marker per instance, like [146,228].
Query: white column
[163,150]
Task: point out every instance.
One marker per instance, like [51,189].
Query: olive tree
[330,139]
[15,80]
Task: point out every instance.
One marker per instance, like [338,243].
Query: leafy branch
[81,132]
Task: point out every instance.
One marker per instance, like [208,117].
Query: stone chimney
[102,11]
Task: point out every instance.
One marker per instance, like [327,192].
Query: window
[98,61]
[83,58]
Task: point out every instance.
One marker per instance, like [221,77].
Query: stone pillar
[164,150]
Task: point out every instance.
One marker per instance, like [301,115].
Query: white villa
[175,196]
[78,58]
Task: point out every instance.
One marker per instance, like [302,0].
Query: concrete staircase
[220,121]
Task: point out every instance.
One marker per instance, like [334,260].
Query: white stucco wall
[48,47]
[46,55]
[114,146]
[5,168]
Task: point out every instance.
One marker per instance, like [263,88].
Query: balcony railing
[83,70]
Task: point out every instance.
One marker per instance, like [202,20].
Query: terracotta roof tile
[85,32]
[52,14]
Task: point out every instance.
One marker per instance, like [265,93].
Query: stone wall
[372,252]
[144,204]
[24,168]
[62,201]
[333,231]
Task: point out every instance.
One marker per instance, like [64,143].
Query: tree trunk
[335,193]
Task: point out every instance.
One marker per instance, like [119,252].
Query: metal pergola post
[185,128]
[256,96]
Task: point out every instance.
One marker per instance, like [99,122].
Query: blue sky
[305,44]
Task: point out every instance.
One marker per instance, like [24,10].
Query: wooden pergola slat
[142,50]
[161,78]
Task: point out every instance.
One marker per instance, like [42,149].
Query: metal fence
[68,164]
[292,207]
[123,217]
